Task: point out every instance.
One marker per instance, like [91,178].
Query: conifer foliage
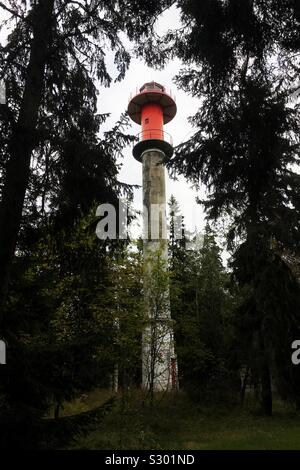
[55,169]
[243,65]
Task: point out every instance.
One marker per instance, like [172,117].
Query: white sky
[115,100]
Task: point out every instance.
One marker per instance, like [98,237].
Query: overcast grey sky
[115,100]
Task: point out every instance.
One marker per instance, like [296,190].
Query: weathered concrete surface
[158,338]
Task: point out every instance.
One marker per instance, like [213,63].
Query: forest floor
[176,423]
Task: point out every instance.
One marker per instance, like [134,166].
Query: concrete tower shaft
[152,107]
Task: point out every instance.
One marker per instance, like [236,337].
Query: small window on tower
[147,121]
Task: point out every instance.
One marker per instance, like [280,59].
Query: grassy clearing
[174,423]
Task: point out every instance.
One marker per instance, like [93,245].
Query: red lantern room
[152,107]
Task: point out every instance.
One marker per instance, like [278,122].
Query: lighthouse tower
[152,107]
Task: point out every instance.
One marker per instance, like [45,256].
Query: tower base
[159,361]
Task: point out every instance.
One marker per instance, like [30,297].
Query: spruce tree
[55,170]
[55,51]
[241,63]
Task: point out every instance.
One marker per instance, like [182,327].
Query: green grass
[175,423]
[86,402]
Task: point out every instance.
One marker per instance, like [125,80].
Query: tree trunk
[57,410]
[244,385]
[23,141]
[266,387]
[266,390]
